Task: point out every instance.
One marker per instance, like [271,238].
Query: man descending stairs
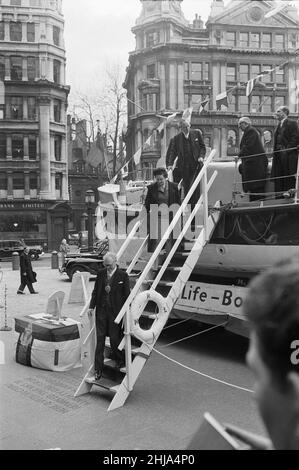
[166,287]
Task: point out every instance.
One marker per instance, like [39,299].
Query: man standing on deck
[284,166]
[254,160]
[190,149]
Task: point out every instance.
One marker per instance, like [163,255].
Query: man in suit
[110,292]
[27,274]
[254,168]
[162,200]
[271,306]
[286,136]
[190,149]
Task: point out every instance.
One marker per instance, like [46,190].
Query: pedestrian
[272,307]
[161,202]
[64,250]
[110,292]
[254,162]
[284,165]
[28,276]
[190,149]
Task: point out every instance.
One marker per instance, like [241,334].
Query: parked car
[89,262]
[8,247]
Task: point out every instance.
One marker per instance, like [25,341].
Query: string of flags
[221,99]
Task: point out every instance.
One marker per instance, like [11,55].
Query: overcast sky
[97,31]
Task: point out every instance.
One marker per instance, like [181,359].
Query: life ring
[137,308]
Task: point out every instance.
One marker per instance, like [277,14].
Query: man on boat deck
[272,306]
[254,160]
[190,149]
[284,166]
[110,292]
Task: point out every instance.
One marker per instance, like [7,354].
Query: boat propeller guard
[137,308]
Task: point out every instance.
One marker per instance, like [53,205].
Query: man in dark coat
[110,292]
[190,149]
[28,277]
[286,136]
[254,168]
[166,193]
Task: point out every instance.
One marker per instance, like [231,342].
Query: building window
[15,31]
[279,101]
[32,111]
[151,71]
[58,185]
[32,68]
[244,73]
[56,36]
[17,146]
[255,40]
[279,41]
[17,3]
[16,69]
[267,41]
[18,180]
[186,70]
[2,146]
[255,71]
[2,68]
[243,104]
[186,101]
[34,3]
[244,39]
[30,32]
[16,107]
[268,78]
[195,100]
[56,71]
[196,71]
[231,72]
[150,102]
[3,181]
[32,147]
[232,148]
[152,38]
[2,31]
[57,147]
[267,104]
[206,71]
[231,102]
[280,76]
[231,38]
[255,103]
[57,110]
[33,181]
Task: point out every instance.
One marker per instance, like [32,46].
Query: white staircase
[165,291]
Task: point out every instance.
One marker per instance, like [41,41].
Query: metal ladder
[137,358]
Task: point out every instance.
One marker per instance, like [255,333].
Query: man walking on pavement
[28,276]
[110,292]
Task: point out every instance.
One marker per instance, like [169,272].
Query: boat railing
[201,178]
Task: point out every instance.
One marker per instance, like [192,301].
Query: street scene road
[38,407]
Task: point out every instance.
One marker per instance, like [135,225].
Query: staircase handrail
[165,237]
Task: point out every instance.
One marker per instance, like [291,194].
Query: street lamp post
[89,199]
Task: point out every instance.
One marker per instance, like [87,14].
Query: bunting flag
[137,156]
[202,106]
[171,118]
[221,99]
[95,155]
[161,127]
[252,83]
[124,131]
[125,170]
[187,114]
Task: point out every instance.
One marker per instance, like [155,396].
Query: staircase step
[162,283]
[106,383]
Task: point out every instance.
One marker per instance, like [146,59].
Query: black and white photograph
[149,202]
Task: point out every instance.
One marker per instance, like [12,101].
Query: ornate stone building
[33,100]
[177,65]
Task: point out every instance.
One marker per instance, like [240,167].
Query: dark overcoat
[153,191]
[120,291]
[255,167]
[26,271]
[285,161]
